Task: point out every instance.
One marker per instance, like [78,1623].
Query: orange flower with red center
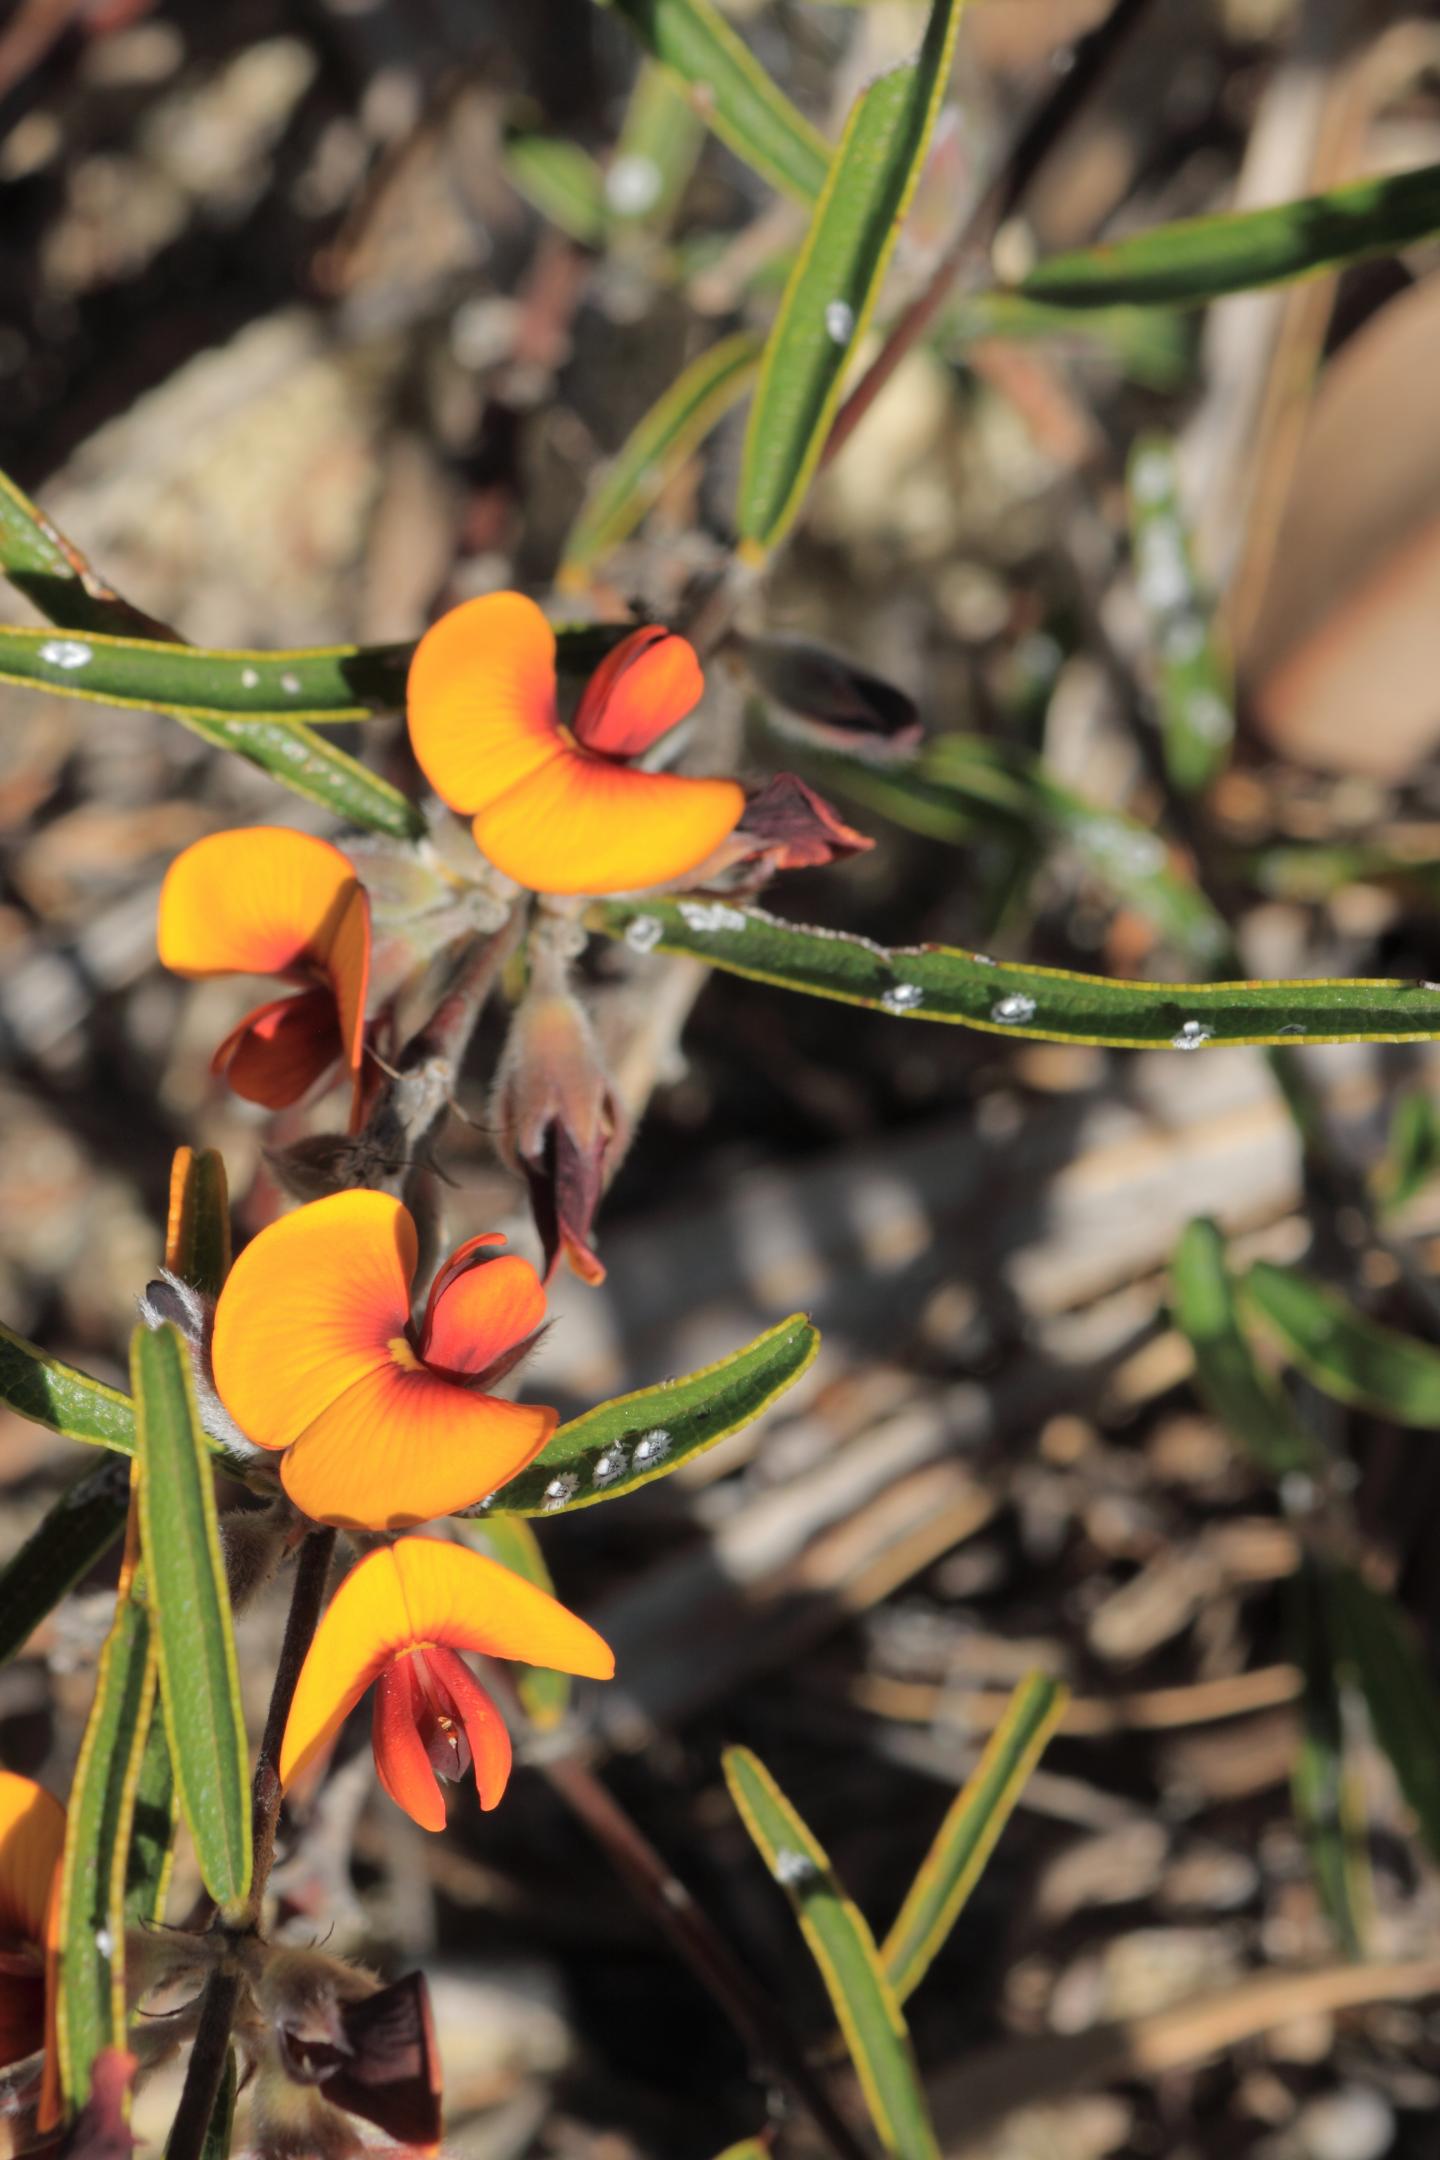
[32,1835]
[383,1422]
[400,1618]
[563,809]
[268,901]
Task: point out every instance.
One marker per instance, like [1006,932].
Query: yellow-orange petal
[403,1446]
[32,1836]
[481,1314]
[481,699]
[260,901]
[418,1591]
[584,825]
[346,960]
[638,692]
[312,1306]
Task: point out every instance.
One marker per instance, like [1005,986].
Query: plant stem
[307,1598]
[205,2071]
[755,2016]
[1089,58]
[206,2068]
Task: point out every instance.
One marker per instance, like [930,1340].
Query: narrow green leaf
[1196,259]
[82,1526]
[90,2010]
[222,2117]
[938,982]
[325,684]
[1194,694]
[560,180]
[659,445]
[836,282]
[1250,1405]
[959,787]
[1151,346]
[197,1235]
[1343,1353]
[731,91]
[965,1840]
[660,143]
[866,2005]
[40,1388]
[152,1830]
[55,577]
[1412,1150]
[635,1439]
[510,1540]
[185,1582]
[1399,1693]
[1310,872]
[1328,1805]
[222,697]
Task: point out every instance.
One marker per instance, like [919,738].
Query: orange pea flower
[268,901]
[383,1422]
[32,1833]
[400,1618]
[562,809]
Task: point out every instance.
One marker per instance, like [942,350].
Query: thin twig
[307,1598]
[756,2017]
[1090,56]
[206,2067]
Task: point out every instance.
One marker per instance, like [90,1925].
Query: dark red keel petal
[402,1755]
[279,1051]
[486,1736]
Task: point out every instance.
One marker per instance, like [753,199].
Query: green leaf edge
[226,1873]
[549,1464]
[743,1773]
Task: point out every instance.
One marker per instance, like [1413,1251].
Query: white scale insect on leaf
[609,1466]
[559,1491]
[652,1447]
[1013,1010]
[793,1868]
[65,653]
[644,932]
[839,321]
[708,915]
[1192,1036]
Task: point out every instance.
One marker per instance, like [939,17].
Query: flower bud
[559,1123]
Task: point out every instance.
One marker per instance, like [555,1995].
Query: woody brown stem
[205,2070]
[307,1600]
